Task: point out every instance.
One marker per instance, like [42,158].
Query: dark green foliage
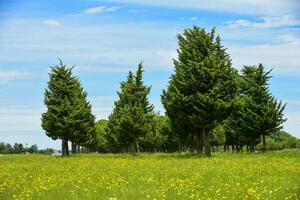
[68,116]
[84,120]
[132,115]
[4,148]
[202,89]
[259,113]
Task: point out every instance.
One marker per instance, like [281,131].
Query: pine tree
[68,116]
[84,134]
[261,113]
[132,115]
[201,92]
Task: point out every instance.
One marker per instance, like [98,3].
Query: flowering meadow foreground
[272,175]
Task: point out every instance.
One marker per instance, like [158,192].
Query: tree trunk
[251,145]
[264,142]
[137,146]
[206,143]
[180,147]
[201,144]
[65,147]
[194,143]
[132,148]
[73,148]
[217,148]
[197,143]
[224,147]
[63,152]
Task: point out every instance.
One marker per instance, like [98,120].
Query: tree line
[207,103]
[19,148]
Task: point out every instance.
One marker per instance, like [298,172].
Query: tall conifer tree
[260,114]
[132,115]
[201,91]
[68,116]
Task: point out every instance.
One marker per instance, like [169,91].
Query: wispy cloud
[265,22]
[103,105]
[20,118]
[289,39]
[10,75]
[283,57]
[52,22]
[100,9]
[252,7]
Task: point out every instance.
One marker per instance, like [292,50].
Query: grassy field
[273,175]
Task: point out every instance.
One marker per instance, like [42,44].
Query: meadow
[271,175]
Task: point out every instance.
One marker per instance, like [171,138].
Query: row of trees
[280,140]
[207,102]
[6,148]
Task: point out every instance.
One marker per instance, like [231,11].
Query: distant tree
[201,92]
[132,115]
[100,140]
[157,138]
[9,148]
[3,148]
[280,140]
[68,116]
[217,137]
[18,148]
[46,151]
[33,149]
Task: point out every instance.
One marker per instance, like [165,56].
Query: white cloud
[22,123]
[256,7]
[163,57]
[102,105]
[100,9]
[52,22]
[289,39]
[283,58]
[20,118]
[10,75]
[93,48]
[266,22]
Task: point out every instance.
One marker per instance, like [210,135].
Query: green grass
[272,175]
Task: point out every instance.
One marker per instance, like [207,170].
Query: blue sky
[105,39]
